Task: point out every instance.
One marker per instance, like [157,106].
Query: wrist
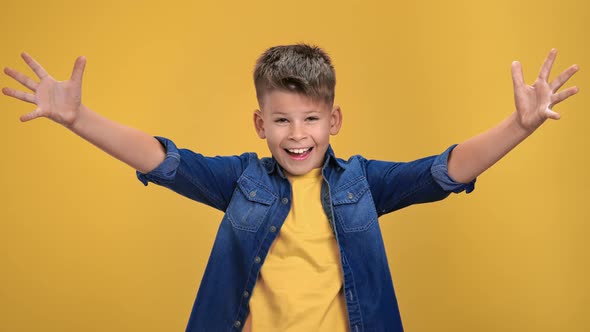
[75,124]
[523,126]
[518,127]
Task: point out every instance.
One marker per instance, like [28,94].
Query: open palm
[59,101]
[534,102]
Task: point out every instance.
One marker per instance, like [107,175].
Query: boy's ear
[259,124]
[335,120]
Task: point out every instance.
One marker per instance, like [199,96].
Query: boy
[299,247]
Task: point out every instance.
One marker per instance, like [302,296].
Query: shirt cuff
[166,171]
[440,173]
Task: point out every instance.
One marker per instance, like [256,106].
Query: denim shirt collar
[271,165]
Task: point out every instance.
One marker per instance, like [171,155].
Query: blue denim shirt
[256,198]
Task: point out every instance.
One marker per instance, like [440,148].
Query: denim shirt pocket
[249,205]
[353,206]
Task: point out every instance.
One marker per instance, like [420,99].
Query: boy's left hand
[534,102]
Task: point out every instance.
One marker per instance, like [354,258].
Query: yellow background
[85,247]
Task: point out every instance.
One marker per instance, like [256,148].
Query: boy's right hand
[59,101]
[62,103]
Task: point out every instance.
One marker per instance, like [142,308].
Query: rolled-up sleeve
[166,171]
[440,173]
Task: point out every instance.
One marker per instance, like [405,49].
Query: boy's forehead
[289,102]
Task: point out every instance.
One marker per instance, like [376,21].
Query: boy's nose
[297,133]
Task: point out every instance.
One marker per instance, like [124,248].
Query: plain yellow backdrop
[85,247]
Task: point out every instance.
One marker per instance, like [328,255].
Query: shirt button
[246,294]
[237,323]
[285,201]
[253,193]
[257,259]
[350,195]
[273,229]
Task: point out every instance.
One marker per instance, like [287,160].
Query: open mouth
[299,153]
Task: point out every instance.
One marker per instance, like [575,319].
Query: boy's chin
[292,172]
[297,170]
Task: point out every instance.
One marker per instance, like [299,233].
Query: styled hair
[299,68]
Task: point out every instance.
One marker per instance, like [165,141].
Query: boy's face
[297,129]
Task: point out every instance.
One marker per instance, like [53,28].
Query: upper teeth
[298,150]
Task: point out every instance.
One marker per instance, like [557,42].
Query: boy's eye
[281,120]
[313,118]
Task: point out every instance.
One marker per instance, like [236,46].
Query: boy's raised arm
[61,101]
[533,107]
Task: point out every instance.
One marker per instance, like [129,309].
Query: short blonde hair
[300,68]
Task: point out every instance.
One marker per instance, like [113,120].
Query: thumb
[517,75]
[32,115]
[552,114]
[78,70]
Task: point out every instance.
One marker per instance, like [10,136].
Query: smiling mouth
[298,152]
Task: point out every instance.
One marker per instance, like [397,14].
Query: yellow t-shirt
[300,284]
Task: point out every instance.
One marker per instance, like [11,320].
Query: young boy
[299,247]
